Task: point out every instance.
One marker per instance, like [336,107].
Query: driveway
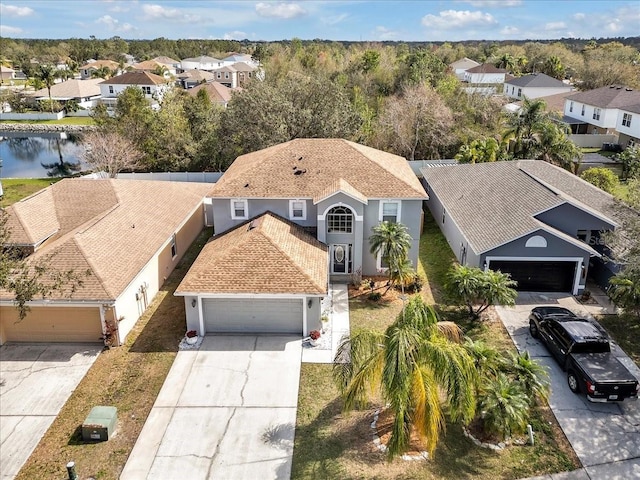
[35,382]
[606,437]
[226,411]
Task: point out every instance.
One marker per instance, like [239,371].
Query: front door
[340,258]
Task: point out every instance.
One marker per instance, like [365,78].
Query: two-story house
[86,71]
[288,219]
[460,66]
[203,62]
[598,111]
[153,86]
[534,85]
[628,125]
[485,74]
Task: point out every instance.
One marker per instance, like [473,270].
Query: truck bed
[604,367]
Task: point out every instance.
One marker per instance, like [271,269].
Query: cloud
[383,33]
[6,30]
[160,12]
[114,24]
[619,22]
[235,35]
[335,19]
[119,9]
[555,26]
[280,10]
[510,31]
[13,11]
[493,3]
[454,19]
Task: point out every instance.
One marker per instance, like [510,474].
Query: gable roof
[486,68]
[243,67]
[71,89]
[495,203]
[537,80]
[136,78]
[100,63]
[202,59]
[217,92]
[265,255]
[196,75]
[111,227]
[464,63]
[306,167]
[165,60]
[149,65]
[611,96]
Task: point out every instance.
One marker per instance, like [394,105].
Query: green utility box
[100,424]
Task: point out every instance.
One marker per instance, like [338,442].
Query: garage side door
[51,324]
[539,276]
[222,315]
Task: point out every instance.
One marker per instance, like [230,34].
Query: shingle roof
[494,203]
[197,75]
[149,65]
[464,62]
[340,185]
[266,255]
[217,92]
[486,68]
[72,89]
[243,67]
[111,227]
[632,108]
[305,168]
[136,78]
[612,96]
[165,60]
[537,80]
[100,63]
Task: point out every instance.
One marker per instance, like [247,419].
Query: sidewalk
[338,306]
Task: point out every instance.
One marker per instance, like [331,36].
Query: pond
[39,155]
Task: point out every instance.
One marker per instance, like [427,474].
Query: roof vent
[251,225]
[300,172]
[299,158]
[612,86]
[618,88]
[246,185]
[629,89]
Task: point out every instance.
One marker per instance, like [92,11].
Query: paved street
[606,437]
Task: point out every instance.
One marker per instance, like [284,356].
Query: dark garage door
[539,276]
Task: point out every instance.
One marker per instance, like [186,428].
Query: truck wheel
[533,329]
[572,380]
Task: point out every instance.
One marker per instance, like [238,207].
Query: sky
[347,20]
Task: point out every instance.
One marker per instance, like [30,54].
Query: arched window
[339,220]
[536,241]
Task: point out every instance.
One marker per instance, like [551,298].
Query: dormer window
[239,209]
[297,210]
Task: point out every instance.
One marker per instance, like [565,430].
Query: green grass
[18,188]
[625,330]
[62,121]
[333,444]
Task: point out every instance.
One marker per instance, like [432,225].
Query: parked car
[583,350]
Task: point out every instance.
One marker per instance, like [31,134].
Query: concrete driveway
[226,411]
[606,437]
[35,382]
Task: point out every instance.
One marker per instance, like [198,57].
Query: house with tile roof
[534,85]
[305,196]
[86,71]
[123,237]
[85,92]
[172,65]
[528,218]
[602,110]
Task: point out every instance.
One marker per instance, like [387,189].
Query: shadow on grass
[163,324]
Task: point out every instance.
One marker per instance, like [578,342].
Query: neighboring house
[460,66]
[485,74]
[303,196]
[534,85]
[86,71]
[240,57]
[600,111]
[169,63]
[528,218]
[192,78]
[153,86]
[85,92]
[7,73]
[127,234]
[628,125]
[217,92]
[201,63]
[245,72]
[227,76]
[151,66]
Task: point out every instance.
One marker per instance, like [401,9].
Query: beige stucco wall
[51,324]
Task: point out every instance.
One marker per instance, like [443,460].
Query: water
[39,155]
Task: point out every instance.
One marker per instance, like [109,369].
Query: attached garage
[224,315]
[539,276]
[51,324]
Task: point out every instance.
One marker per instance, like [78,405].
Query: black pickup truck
[584,352]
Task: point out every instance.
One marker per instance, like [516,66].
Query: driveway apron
[226,411]
[35,382]
[603,435]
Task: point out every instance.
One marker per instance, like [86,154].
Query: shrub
[603,178]
[374,296]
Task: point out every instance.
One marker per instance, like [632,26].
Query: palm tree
[554,146]
[523,125]
[504,406]
[102,72]
[532,377]
[418,365]
[392,242]
[506,61]
[47,74]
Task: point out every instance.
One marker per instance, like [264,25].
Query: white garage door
[223,315]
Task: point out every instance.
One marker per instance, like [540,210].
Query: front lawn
[333,444]
[62,121]
[625,331]
[127,377]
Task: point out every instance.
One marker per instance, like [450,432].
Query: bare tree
[416,124]
[110,152]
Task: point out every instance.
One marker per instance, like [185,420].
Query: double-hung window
[239,209]
[297,210]
[596,114]
[389,211]
[626,120]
